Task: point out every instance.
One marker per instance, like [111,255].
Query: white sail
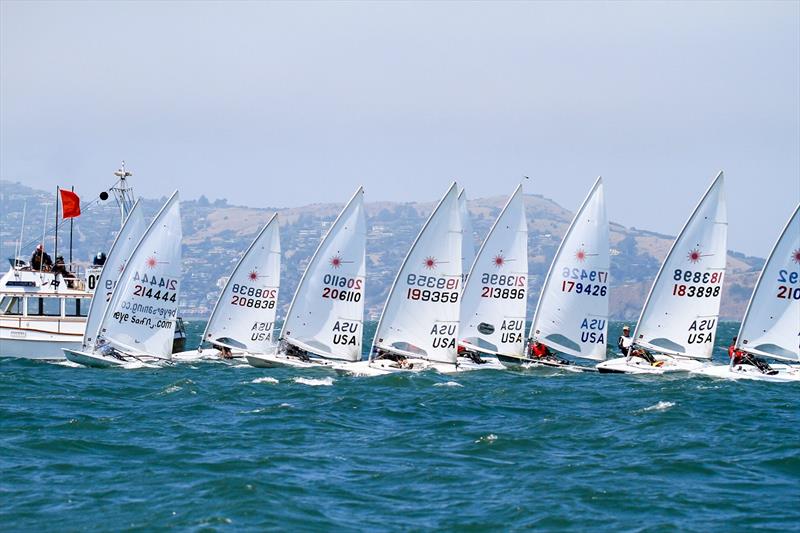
[468,238]
[326,316]
[681,312]
[128,237]
[572,313]
[141,315]
[420,317]
[244,315]
[771,323]
[495,295]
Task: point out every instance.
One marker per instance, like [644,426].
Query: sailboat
[771,324]
[325,322]
[138,324]
[419,324]
[492,320]
[121,249]
[679,318]
[243,318]
[571,316]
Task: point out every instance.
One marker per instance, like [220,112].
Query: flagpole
[55,252]
[71,221]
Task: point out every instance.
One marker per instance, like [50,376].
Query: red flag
[70,204]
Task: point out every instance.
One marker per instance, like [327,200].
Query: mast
[123,193]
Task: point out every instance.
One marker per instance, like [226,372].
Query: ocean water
[211,446]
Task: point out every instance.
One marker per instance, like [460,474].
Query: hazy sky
[281,104]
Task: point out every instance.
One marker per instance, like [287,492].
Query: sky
[285,104]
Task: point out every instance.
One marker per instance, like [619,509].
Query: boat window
[44,306]
[11,305]
[76,307]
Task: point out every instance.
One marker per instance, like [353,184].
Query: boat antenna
[21,230]
[123,192]
[44,233]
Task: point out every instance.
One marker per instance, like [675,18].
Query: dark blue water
[217,447]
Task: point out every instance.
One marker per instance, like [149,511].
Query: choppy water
[213,446]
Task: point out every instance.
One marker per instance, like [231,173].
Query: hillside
[215,233]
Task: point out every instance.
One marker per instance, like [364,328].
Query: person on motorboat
[625,340]
[40,260]
[61,268]
[740,357]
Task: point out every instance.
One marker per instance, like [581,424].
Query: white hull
[206,354]
[490,363]
[785,373]
[382,367]
[275,360]
[523,363]
[45,346]
[96,360]
[637,365]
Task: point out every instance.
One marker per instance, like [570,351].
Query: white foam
[491,437]
[660,406]
[448,384]
[173,388]
[265,379]
[323,382]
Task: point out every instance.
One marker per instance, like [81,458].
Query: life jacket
[540,350]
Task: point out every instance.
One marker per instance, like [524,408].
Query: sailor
[740,357]
[40,260]
[99,259]
[540,351]
[224,351]
[625,340]
[471,355]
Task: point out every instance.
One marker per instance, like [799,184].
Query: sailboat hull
[382,367]
[206,354]
[93,360]
[276,360]
[637,365]
[784,373]
[524,363]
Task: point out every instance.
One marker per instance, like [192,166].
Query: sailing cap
[625,328]
[39,247]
